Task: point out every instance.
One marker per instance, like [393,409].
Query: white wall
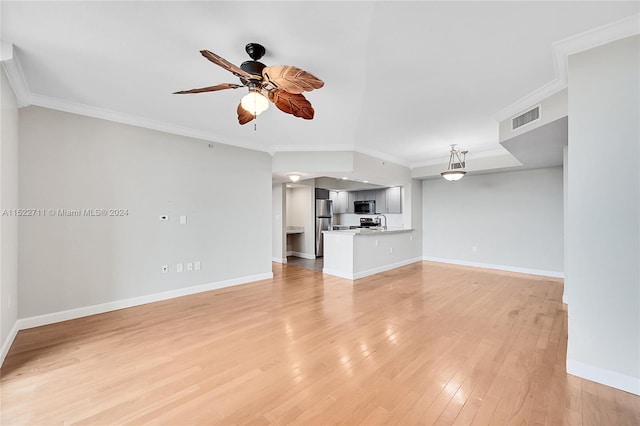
[301,212]
[603,244]
[279,220]
[8,224]
[69,161]
[510,220]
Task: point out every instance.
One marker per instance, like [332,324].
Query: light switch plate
[189,266]
[183,220]
[179,267]
[197,266]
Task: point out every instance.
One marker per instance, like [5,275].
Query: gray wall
[511,220]
[603,235]
[69,161]
[8,224]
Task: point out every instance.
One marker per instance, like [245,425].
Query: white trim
[337,274]
[384,268]
[133,120]
[377,270]
[606,377]
[302,255]
[6,345]
[54,317]
[18,83]
[273,149]
[279,259]
[381,156]
[561,50]
[531,271]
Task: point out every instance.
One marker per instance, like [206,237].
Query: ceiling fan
[282,85]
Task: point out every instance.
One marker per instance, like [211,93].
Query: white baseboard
[373,271]
[302,255]
[337,273]
[606,377]
[6,345]
[279,259]
[541,272]
[383,268]
[54,317]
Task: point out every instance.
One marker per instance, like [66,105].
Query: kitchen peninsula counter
[357,253]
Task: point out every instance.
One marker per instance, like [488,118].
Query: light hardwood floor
[426,343]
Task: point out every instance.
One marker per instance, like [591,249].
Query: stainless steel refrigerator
[324,222]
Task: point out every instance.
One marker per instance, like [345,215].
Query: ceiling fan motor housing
[253,67]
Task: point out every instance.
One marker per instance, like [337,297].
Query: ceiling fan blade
[220,61]
[244,116]
[215,88]
[291,79]
[292,103]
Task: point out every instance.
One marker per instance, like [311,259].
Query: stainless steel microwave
[364,207]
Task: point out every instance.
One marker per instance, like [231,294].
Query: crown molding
[14,73]
[561,50]
[382,156]
[273,149]
[133,120]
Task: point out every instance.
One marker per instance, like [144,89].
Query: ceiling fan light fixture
[255,103]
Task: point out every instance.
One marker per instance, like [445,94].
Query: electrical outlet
[390,249]
[376,243]
[165,269]
[179,267]
[197,265]
[410,237]
[189,266]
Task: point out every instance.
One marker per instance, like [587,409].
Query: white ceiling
[403,80]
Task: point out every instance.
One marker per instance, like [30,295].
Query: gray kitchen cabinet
[350,199]
[337,205]
[394,200]
[381,201]
[367,195]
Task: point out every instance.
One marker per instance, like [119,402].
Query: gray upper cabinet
[388,200]
[367,195]
[351,198]
[381,201]
[394,200]
[333,196]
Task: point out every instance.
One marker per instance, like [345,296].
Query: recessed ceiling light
[345,178]
[294,178]
[365,181]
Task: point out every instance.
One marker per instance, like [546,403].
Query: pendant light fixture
[455,170]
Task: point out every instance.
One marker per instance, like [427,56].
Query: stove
[368,222]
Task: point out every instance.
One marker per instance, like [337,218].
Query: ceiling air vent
[526,118]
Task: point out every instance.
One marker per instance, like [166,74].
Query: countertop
[369,231]
[295,230]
